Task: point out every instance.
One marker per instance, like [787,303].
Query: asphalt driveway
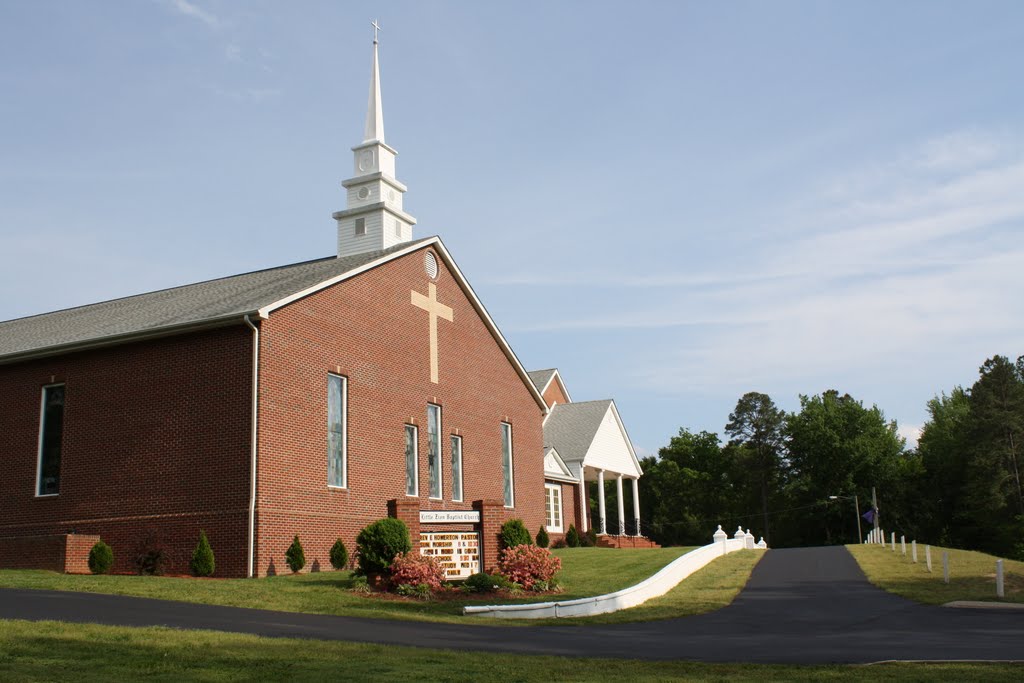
[802,605]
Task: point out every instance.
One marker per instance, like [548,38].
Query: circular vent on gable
[430,264]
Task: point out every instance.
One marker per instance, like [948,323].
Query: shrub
[339,555]
[572,537]
[295,556]
[202,557]
[560,543]
[421,591]
[588,539]
[415,570]
[101,557]
[527,565]
[486,583]
[543,540]
[379,543]
[360,585]
[513,533]
[150,557]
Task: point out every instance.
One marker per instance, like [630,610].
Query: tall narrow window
[456,468]
[51,435]
[553,507]
[506,462]
[360,226]
[434,449]
[337,419]
[412,457]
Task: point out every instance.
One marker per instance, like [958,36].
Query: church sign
[458,553]
[449,516]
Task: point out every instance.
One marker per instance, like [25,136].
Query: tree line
[774,471]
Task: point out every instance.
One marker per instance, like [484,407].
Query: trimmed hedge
[101,558]
[513,533]
[378,544]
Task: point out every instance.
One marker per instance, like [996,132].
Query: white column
[636,506]
[622,506]
[584,503]
[603,528]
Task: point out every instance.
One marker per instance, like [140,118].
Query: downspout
[254,448]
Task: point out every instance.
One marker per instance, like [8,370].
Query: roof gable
[555,467]
[591,433]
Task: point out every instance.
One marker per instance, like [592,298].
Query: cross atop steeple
[376,27]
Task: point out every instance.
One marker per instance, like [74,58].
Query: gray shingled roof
[571,427]
[196,304]
[540,378]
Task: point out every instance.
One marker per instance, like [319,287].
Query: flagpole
[874,506]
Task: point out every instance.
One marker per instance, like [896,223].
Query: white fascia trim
[551,476]
[280,303]
[459,278]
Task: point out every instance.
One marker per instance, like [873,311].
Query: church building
[309,399]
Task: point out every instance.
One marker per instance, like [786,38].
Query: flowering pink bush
[414,569]
[528,565]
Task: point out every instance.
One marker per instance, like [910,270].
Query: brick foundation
[67,553]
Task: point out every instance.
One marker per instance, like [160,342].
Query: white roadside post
[913,550]
[928,556]
[999,579]
[903,545]
[761,544]
[945,567]
[748,540]
[893,539]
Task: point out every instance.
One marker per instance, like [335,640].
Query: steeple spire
[373,218]
[374,111]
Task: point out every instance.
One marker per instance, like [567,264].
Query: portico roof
[591,434]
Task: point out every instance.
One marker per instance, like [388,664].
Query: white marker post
[893,540]
[913,550]
[945,567]
[999,579]
[928,556]
[903,545]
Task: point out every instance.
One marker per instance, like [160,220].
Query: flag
[870,516]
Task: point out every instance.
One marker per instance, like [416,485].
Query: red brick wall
[554,394]
[155,447]
[368,330]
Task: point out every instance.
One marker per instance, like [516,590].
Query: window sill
[336,488]
[554,530]
[47,495]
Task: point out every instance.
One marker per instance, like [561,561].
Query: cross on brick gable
[436,309]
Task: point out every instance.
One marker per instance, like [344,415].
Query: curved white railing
[659,584]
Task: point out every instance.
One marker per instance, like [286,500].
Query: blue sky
[674,203]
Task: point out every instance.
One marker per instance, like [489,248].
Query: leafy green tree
[756,424]
[836,446]
[942,448]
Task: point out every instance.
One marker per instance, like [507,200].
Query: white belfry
[373,218]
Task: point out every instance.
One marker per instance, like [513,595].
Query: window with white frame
[456,468]
[434,449]
[412,457]
[506,463]
[553,507]
[337,424]
[51,438]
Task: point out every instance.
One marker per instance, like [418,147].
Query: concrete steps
[625,542]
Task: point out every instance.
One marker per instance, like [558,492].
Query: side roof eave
[265,311]
[556,376]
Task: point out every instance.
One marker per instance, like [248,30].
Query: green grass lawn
[585,572]
[972,575]
[48,651]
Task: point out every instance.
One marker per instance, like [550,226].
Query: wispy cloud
[193,11]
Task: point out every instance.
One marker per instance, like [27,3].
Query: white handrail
[662,582]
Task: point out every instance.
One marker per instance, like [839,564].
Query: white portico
[593,443]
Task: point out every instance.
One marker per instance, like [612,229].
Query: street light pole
[856,504]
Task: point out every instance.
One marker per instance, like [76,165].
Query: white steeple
[373,218]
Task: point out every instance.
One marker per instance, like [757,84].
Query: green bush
[486,583]
[513,533]
[101,557]
[202,557]
[588,539]
[543,540]
[379,543]
[295,556]
[339,555]
[572,537]
[560,543]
